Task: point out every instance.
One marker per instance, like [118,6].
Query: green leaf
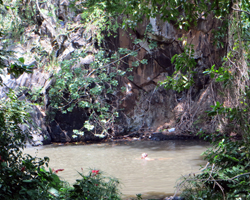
[88,126]
[134,53]
[137,41]
[173,58]
[144,61]
[84,104]
[27,181]
[135,64]
[21,60]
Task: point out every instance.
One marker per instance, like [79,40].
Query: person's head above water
[144,155]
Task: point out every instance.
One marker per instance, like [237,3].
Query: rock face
[152,107]
[147,107]
[62,126]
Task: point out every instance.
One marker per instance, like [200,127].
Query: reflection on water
[154,178]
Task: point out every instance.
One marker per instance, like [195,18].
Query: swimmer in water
[145,157]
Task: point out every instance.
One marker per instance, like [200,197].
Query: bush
[25,177]
[21,176]
[227,174]
[95,186]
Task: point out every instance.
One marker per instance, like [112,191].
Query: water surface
[154,178]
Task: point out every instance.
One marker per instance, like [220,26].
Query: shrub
[226,175]
[95,186]
[25,177]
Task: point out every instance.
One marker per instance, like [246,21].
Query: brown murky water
[151,178]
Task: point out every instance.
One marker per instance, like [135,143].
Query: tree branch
[112,62]
[241,11]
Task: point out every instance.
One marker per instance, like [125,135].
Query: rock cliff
[147,107]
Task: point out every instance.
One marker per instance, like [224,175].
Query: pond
[151,178]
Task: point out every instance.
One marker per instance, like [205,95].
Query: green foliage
[18,68]
[25,177]
[220,75]
[182,78]
[226,175]
[95,186]
[220,34]
[15,15]
[95,20]
[21,176]
[92,88]
[234,115]
[36,94]
[183,13]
